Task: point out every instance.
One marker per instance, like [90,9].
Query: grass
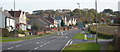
[4,37]
[83,47]
[81,36]
[23,38]
[110,46]
[87,32]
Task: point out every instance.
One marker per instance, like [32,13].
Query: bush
[102,35]
[5,32]
[20,31]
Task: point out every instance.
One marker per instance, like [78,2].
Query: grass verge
[81,36]
[83,47]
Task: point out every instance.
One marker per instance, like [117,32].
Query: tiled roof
[7,14]
[17,13]
[58,17]
[41,21]
[50,19]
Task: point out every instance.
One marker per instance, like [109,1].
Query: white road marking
[66,37]
[10,47]
[48,42]
[41,45]
[0,50]
[17,45]
[45,43]
[71,42]
[68,42]
[37,42]
[36,48]
[66,45]
[30,51]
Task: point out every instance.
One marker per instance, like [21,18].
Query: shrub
[5,32]
[102,35]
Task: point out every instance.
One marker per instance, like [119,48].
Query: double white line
[68,43]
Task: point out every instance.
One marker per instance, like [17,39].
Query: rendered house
[70,21]
[7,20]
[57,21]
[20,18]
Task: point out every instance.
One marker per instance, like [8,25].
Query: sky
[31,5]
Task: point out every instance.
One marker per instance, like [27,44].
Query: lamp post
[14,17]
[96,22]
[78,5]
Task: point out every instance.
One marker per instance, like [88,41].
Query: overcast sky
[30,5]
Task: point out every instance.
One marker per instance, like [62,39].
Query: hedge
[102,35]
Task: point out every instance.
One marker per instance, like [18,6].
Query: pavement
[52,43]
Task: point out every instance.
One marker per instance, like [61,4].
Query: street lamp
[78,5]
[96,22]
[14,17]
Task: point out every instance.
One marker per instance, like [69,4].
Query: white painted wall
[119,6]
[0,17]
[2,20]
[5,20]
[22,19]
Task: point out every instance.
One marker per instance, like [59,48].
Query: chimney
[11,9]
[20,10]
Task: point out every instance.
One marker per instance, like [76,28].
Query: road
[51,43]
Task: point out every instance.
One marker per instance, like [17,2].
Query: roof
[58,18]
[17,13]
[7,14]
[41,21]
[50,19]
[66,10]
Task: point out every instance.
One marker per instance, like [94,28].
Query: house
[7,20]
[41,22]
[57,21]
[70,21]
[50,19]
[66,10]
[37,12]
[20,18]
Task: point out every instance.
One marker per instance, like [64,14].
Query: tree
[109,11]
[35,28]
[76,12]
[56,13]
[92,17]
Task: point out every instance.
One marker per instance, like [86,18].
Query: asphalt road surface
[50,43]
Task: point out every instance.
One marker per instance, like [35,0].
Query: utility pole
[14,17]
[78,5]
[96,22]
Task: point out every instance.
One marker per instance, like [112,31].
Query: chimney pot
[11,9]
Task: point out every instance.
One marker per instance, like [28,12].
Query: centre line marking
[41,45]
[37,42]
[45,43]
[36,48]
[66,37]
[18,45]
[10,47]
